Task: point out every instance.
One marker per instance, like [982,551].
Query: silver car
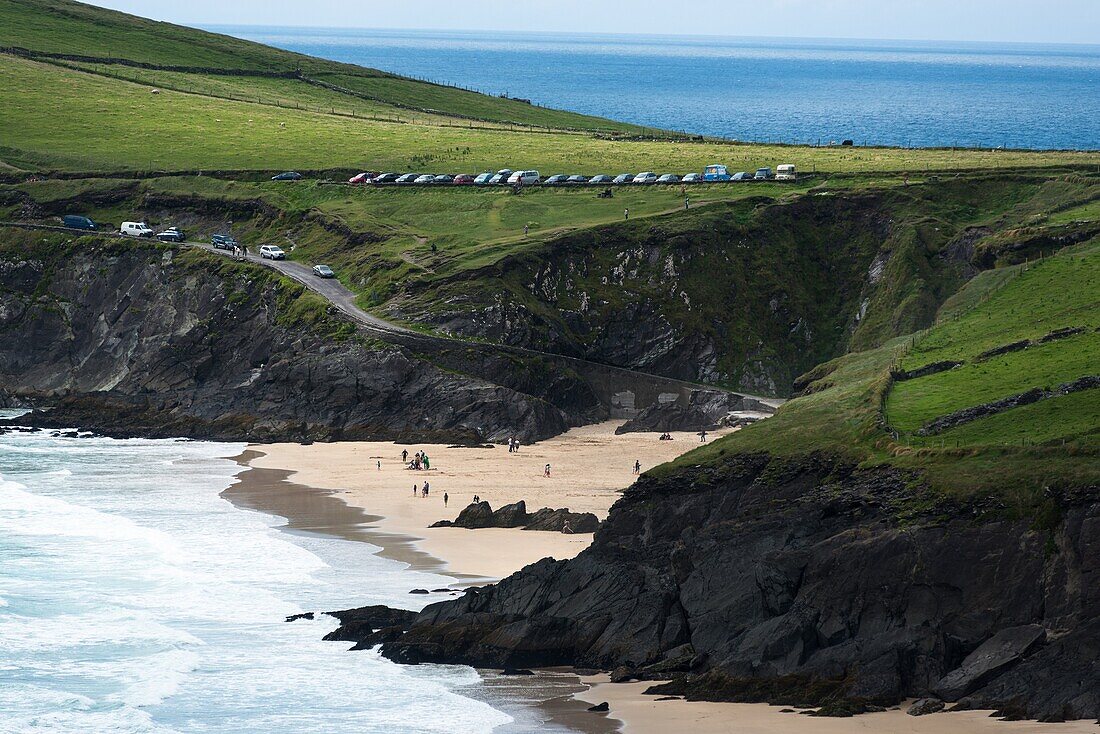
[323,271]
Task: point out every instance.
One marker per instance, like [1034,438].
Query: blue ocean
[901,93]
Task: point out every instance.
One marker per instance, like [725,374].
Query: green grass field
[58,117]
[1012,453]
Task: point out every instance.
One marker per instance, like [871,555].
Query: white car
[427,178]
[272,252]
[647,177]
[136,229]
[527,178]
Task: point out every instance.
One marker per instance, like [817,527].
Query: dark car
[574,180]
[406,178]
[557,179]
[288,176]
[603,178]
[385,178]
[74,221]
[624,178]
[741,176]
[223,242]
[172,234]
[443,178]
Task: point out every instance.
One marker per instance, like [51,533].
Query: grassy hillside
[855,409]
[98,115]
[119,41]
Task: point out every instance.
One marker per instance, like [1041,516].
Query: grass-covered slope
[232,104]
[130,45]
[856,409]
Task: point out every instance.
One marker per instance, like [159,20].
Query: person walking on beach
[379,466]
[637,467]
[415,489]
[446,497]
[702,436]
[404,456]
[546,472]
[425,489]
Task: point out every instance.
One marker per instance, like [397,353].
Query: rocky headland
[803,582]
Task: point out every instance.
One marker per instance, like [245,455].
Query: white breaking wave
[133,598]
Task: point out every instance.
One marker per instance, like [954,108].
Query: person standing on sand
[427,461]
[379,466]
[414,489]
[702,436]
[637,467]
[546,473]
[404,456]
[425,490]
[446,497]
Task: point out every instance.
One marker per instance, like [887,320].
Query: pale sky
[1034,21]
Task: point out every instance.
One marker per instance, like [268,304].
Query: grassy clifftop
[871,406]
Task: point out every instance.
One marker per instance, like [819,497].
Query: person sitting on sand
[567,528]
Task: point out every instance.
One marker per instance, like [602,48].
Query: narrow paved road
[344,300]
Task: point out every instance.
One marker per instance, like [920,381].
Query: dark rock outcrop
[928,369]
[925,706]
[481,515]
[703,410]
[1034,395]
[1004,349]
[358,624]
[138,339]
[797,582]
[1003,649]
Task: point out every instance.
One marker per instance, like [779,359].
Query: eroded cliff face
[805,582]
[749,294]
[146,340]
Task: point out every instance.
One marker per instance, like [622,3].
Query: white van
[785,172]
[527,178]
[136,229]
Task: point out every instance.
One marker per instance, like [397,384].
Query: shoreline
[643,714]
[325,489]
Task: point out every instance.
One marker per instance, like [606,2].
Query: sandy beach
[590,466]
[646,715]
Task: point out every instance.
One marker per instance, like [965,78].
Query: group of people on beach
[513,446]
[665,437]
[419,461]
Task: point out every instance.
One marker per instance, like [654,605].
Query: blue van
[716,172]
[74,221]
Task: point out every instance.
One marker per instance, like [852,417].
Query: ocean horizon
[782,90]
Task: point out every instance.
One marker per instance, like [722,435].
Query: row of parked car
[507,176]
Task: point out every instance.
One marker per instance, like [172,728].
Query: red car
[362,178]
[463,179]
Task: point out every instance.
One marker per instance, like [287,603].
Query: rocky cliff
[807,582]
[140,339]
